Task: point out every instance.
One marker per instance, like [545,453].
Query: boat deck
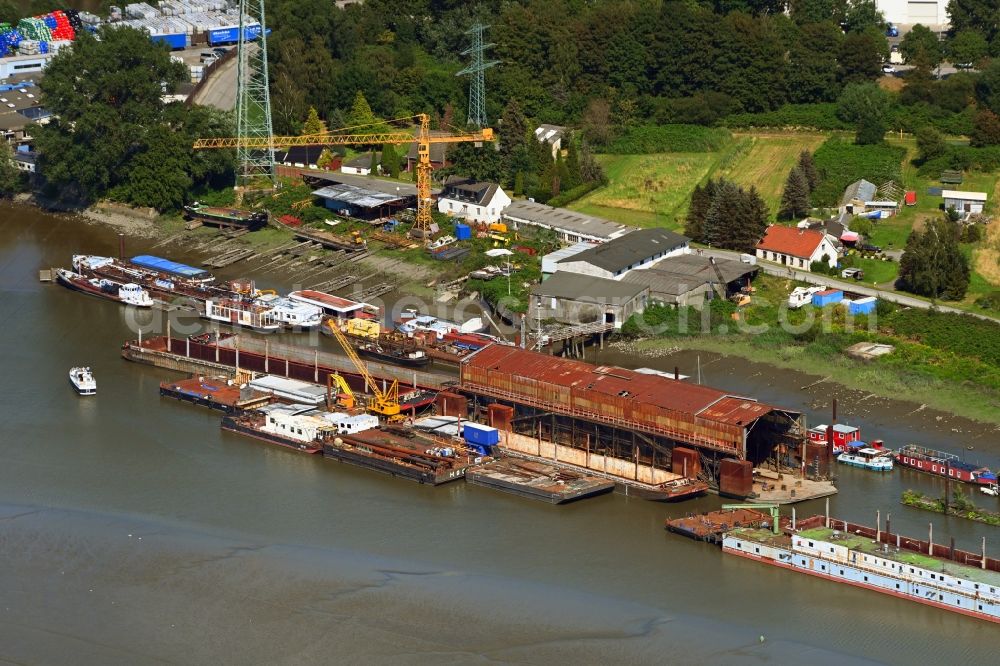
[712,525]
[215,393]
[536,480]
[403,452]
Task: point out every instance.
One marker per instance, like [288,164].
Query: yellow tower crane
[383,403]
[355,136]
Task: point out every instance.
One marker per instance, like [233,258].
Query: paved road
[220,88]
[856,287]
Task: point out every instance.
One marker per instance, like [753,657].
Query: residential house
[964,202]
[582,299]
[553,135]
[472,200]
[797,248]
[636,250]
[571,226]
[361,165]
[856,197]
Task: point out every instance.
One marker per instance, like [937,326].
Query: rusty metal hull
[547,483]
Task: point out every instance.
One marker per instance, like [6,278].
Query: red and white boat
[944,464]
[127,294]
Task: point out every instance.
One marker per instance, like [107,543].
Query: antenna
[253,98]
[477,79]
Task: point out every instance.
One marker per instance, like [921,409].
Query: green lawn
[878,271]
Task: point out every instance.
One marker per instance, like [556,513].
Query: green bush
[668,139]
[815,116]
[569,196]
[840,163]
[963,334]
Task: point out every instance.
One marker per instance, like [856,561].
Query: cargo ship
[127,294]
[944,464]
[226,217]
[934,575]
[404,453]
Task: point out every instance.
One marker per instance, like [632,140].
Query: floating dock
[215,393]
[711,526]
[404,453]
[534,480]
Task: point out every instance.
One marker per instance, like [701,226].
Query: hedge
[573,194]
[813,116]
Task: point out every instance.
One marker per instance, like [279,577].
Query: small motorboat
[993,490]
[83,381]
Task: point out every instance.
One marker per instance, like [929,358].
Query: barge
[944,464]
[126,294]
[712,525]
[536,480]
[226,217]
[394,354]
[403,453]
[961,582]
[215,393]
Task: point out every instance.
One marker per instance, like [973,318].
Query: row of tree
[724,215]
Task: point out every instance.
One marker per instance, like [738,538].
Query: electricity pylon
[255,166]
[477,78]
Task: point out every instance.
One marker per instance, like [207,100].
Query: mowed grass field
[655,190]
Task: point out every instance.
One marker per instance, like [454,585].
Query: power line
[477,78]
[253,98]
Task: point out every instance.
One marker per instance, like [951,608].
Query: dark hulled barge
[402,452]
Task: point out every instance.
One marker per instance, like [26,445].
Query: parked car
[891,31]
[220,50]
[888,69]
[868,247]
[852,274]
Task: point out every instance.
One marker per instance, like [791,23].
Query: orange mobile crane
[355,135]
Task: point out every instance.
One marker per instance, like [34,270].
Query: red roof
[655,390]
[791,241]
[324,299]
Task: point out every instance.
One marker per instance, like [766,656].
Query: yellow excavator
[383,403]
[345,396]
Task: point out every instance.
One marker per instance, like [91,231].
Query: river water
[133,530]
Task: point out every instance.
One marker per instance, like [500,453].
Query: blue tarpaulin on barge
[171,267]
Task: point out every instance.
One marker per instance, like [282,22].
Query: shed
[910,198]
[862,305]
[964,202]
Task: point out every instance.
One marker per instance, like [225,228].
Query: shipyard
[499,331]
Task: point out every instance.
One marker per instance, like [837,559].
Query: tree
[10,176]
[390,161]
[865,105]
[986,130]
[967,46]
[861,56]
[9,12]
[808,167]
[812,63]
[795,198]
[863,15]
[871,131]
[701,201]
[977,15]
[362,117]
[514,131]
[921,47]
[988,86]
[596,121]
[804,12]
[736,218]
[313,125]
[112,135]
[930,144]
[933,264]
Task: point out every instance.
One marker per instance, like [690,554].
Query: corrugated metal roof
[654,390]
[356,196]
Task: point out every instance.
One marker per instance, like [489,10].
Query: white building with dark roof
[637,250]
[473,200]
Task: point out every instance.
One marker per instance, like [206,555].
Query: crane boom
[423,139]
[385,403]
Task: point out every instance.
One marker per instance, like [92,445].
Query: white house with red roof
[797,248]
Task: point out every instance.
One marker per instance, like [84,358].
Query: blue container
[43,47]
[828,297]
[174,41]
[463,231]
[862,306]
[231,34]
[476,433]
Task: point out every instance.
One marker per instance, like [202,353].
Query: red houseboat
[940,463]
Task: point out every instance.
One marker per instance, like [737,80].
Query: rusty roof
[654,390]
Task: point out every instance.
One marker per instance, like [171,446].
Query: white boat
[129,294]
[993,490]
[877,460]
[292,313]
[240,312]
[83,381]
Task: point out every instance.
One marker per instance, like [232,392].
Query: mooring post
[930,539]
[267,355]
[169,349]
[827,513]
[187,347]
[878,526]
[316,366]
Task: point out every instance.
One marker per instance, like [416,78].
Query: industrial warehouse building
[582,299]
[571,226]
[365,202]
[931,13]
[637,250]
[688,279]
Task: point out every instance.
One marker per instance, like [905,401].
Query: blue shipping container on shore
[231,34]
[175,41]
[862,306]
[828,297]
[463,231]
[483,435]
